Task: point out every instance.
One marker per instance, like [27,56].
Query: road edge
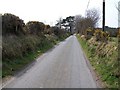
[95,76]
[9,79]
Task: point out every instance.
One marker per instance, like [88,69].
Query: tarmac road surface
[62,67]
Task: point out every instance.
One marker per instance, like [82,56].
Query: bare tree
[78,18]
[89,21]
[93,17]
[117,7]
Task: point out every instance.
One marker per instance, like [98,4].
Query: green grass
[114,39]
[105,67]
[84,46]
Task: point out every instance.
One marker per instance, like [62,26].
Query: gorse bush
[98,34]
[89,33]
[101,36]
[35,27]
[119,32]
[12,24]
[20,40]
[104,59]
[14,46]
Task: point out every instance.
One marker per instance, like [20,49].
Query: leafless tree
[93,17]
[118,9]
[89,21]
[78,19]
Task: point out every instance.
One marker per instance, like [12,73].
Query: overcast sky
[48,11]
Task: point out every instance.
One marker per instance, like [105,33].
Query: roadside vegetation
[104,59]
[23,43]
[101,48]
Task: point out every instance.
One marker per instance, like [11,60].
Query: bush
[101,36]
[14,46]
[89,33]
[35,27]
[12,24]
[20,42]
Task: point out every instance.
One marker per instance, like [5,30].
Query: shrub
[35,27]
[14,46]
[89,33]
[118,33]
[12,24]
[101,36]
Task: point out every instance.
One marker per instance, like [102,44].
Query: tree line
[79,24]
[90,20]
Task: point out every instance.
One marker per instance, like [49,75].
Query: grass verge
[105,67]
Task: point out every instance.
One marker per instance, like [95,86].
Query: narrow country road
[62,67]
